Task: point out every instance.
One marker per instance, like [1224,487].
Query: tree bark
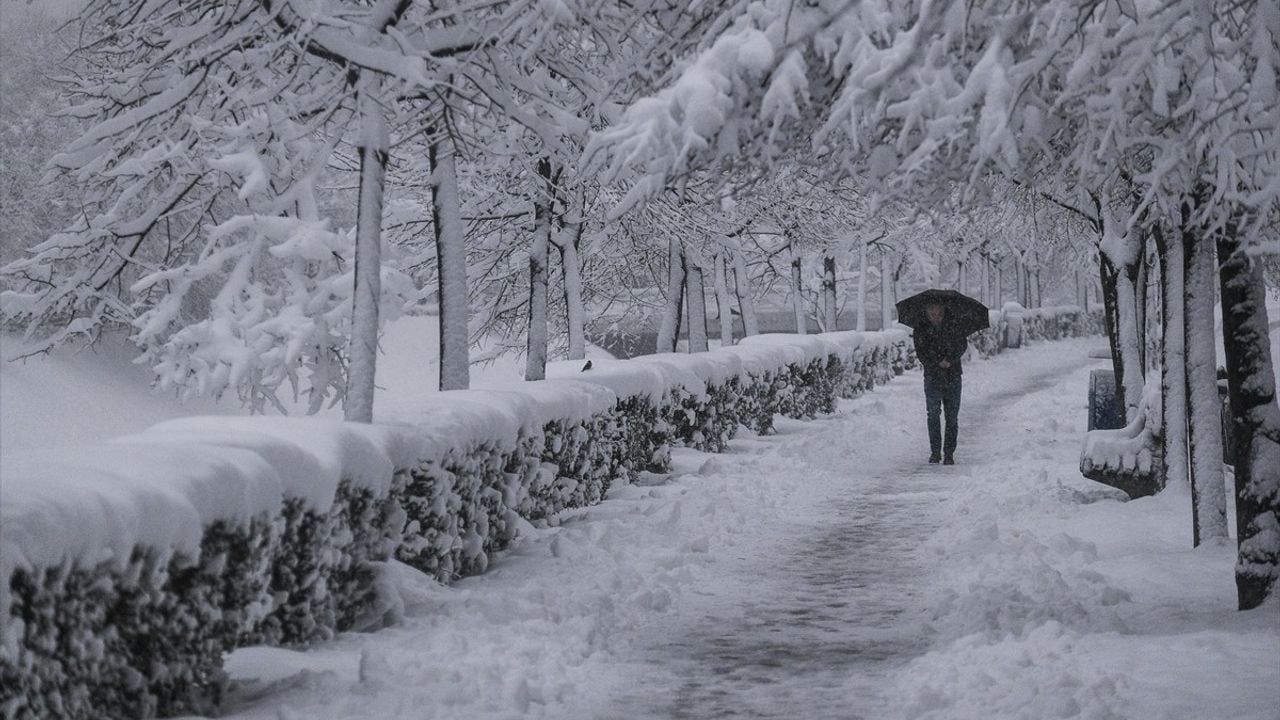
[451,262]
[1020,272]
[886,291]
[1108,277]
[998,297]
[1129,341]
[797,293]
[829,309]
[984,277]
[1141,285]
[742,286]
[1255,419]
[697,305]
[363,352]
[861,308]
[539,250]
[1204,431]
[575,311]
[723,308]
[669,330]
[1173,387]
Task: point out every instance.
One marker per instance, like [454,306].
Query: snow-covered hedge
[1014,325]
[132,566]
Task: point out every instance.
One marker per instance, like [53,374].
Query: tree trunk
[1204,440]
[962,277]
[1255,421]
[1141,284]
[1108,278]
[575,312]
[984,277]
[886,292]
[862,288]
[451,262]
[669,330]
[539,249]
[1173,386]
[1020,272]
[742,286]
[723,309]
[797,293]
[363,352]
[1129,341]
[696,289]
[998,297]
[829,310]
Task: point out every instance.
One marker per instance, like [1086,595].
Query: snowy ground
[828,572]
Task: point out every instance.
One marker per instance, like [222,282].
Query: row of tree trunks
[686,288]
[566,241]
[829,296]
[1191,454]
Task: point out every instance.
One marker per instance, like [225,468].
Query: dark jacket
[935,344]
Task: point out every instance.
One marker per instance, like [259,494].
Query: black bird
[587,366]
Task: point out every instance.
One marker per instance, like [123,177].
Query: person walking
[940,347]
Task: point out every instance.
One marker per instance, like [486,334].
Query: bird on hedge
[587,366]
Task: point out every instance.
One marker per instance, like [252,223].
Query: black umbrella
[961,311]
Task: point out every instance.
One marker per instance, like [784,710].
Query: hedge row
[131,567]
[1015,325]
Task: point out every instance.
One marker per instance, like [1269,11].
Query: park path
[789,577]
[811,618]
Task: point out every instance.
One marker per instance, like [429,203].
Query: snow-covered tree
[1137,106]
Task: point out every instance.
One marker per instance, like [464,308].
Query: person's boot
[934,457]
[948,460]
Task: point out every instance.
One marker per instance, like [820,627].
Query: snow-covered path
[819,610]
[826,572]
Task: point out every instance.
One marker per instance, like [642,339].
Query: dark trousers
[942,396]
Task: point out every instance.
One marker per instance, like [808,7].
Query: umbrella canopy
[963,313]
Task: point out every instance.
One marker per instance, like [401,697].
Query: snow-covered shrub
[133,641]
[644,433]
[324,564]
[450,505]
